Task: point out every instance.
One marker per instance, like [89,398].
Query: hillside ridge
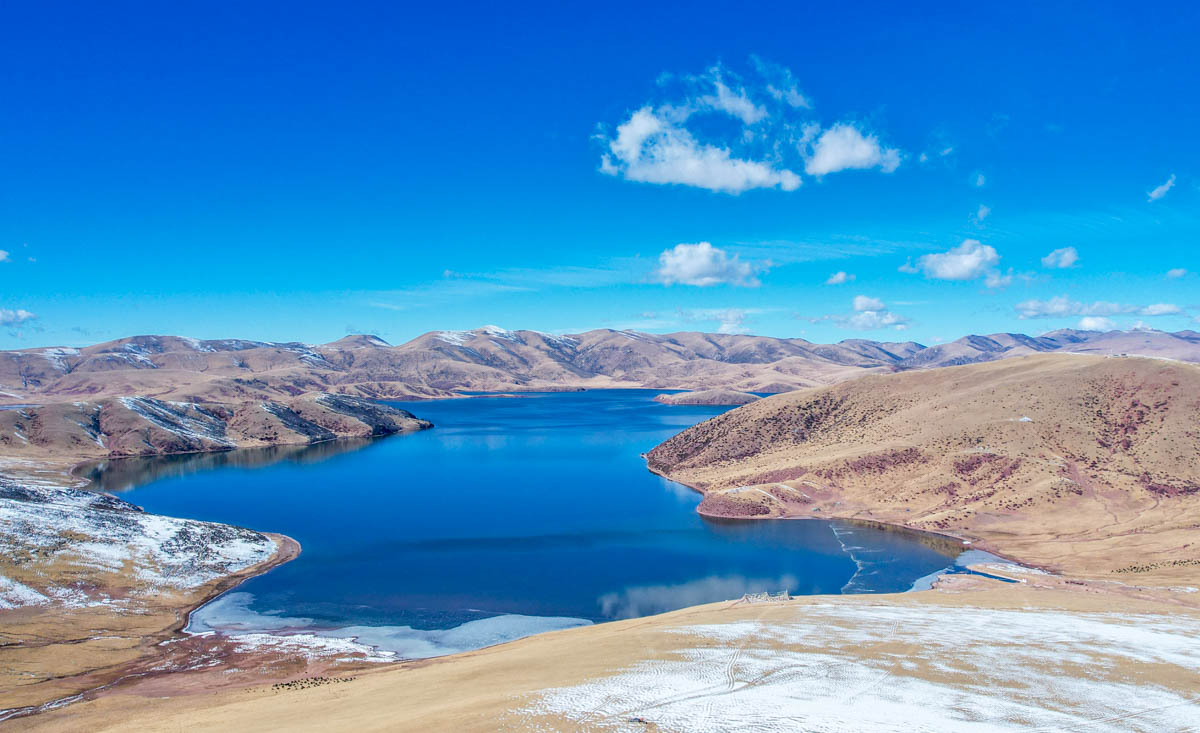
[1068,463]
[438,363]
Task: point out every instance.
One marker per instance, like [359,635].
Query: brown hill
[1068,462]
[495,359]
[127,426]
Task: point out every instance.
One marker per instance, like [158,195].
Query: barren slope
[496,359]
[1080,464]
[708,397]
[68,432]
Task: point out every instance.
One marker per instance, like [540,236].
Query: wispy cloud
[867,303]
[1096,323]
[454,286]
[1061,259]
[982,213]
[1063,307]
[834,247]
[1160,191]
[729,320]
[781,84]
[687,138]
[10,317]
[996,280]
[1176,273]
[839,278]
[868,314]
[704,265]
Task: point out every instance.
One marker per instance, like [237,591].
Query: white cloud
[844,146]
[1161,191]
[1176,273]
[869,314]
[867,303]
[15,317]
[733,102]
[3,256]
[839,278]
[968,261]
[1061,258]
[982,213]
[781,85]
[1096,323]
[875,320]
[996,280]
[652,149]
[730,320]
[688,140]
[1062,307]
[702,265]
[980,180]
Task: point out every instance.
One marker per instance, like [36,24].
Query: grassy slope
[1080,464]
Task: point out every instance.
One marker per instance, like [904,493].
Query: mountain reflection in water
[115,475]
[510,516]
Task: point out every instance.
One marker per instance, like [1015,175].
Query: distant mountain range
[439,363]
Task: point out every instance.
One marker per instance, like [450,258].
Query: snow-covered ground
[99,536]
[902,668]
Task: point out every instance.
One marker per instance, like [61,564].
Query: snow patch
[185,419]
[231,614]
[15,595]
[898,668]
[102,533]
[311,647]
[454,338]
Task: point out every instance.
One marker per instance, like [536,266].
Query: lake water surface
[511,516]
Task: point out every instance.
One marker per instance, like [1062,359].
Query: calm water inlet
[512,515]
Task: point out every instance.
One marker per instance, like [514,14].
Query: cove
[512,515]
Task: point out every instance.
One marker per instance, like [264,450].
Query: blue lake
[512,515]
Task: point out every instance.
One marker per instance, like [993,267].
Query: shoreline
[1049,580]
[967,542]
[287,549]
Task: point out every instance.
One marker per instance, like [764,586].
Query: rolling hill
[1070,463]
[494,359]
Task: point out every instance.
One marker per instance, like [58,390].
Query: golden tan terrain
[234,371]
[110,631]
[43,442]
[973,655]
[1083,465]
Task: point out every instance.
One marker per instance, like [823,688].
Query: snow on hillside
[101,536]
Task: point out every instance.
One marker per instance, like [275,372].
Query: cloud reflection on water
[650,599]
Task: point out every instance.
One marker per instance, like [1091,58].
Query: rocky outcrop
[130,426]
[708,397]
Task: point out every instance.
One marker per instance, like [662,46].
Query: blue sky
[299,171]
